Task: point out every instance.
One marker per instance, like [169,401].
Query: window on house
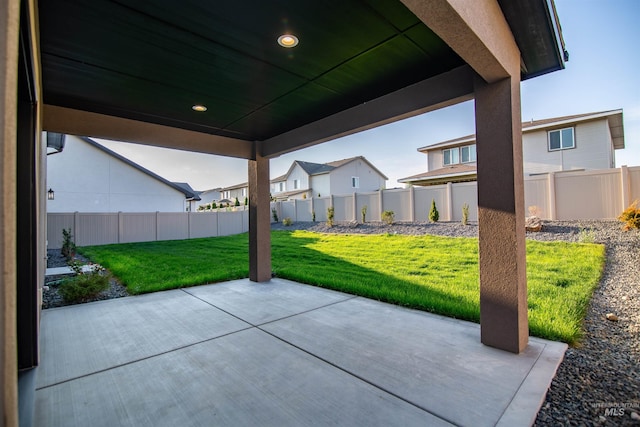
[355,182]
[451,156]
[468,153]
[296,184]
[281,186]
[244,192]
[561,139]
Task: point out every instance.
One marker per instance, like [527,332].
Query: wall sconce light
[51,194]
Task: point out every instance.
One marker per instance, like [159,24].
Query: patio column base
[501,230]
[259,220]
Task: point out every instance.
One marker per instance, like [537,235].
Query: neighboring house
[209,196]
[306,179]
[239,191]
[580,142]
[88,177]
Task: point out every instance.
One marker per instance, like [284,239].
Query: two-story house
[85,176]
[307,179]
[579,142]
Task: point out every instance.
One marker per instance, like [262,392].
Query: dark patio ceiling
[153,60]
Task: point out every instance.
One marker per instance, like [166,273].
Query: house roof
[614,118]
[442,175]
[313,169]
[236,186]
[183,187]
[150,62]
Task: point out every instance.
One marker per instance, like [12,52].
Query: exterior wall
[340,178]
[297,173]
[320,185]
[275,187]
[240,193]
[85,179]
[594,150]
[435,160]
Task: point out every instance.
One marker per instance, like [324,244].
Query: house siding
[593,150]
[86,179]
[321,185]
[297,173]
[370,180]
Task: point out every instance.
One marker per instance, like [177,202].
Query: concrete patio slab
[86,338]
[258,303]
[280,353]
[434,362]
[247,378]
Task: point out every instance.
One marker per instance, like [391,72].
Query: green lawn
[437,274]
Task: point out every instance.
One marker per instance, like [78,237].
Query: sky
[603,73]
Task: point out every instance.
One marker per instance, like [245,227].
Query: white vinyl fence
[599,194]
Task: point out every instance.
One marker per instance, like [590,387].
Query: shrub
[287,221]
[364,213]
[68,246]
[631,216]
[465,214]
[274,213]
[246,201]
[237,202]
[587,235]
[84,286]
[388,217]
[214,206]
[330,213]
[434,216]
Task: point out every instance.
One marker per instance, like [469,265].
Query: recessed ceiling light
[198,107]
[288,40]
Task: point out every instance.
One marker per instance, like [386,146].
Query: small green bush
[364,213]
[330,213]
[237,202]
[274,213]
[631,216]
[68,246]
[465,214]
[246,201]
[84,287]
[388,217]
[287,221]
[434,216]
[587,235]
[214,206]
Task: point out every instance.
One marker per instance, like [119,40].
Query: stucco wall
[86,179]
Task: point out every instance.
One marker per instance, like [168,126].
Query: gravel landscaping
[598,383]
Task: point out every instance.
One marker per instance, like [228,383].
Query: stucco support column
[259,220]
[9,30]
[503,281]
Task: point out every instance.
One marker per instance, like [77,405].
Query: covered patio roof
[358,63]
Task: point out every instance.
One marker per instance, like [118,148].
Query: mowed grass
[436,274]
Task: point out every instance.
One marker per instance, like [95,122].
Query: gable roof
[614,118]
[183,187]
[313,169]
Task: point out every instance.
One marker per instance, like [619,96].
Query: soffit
[151,61]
